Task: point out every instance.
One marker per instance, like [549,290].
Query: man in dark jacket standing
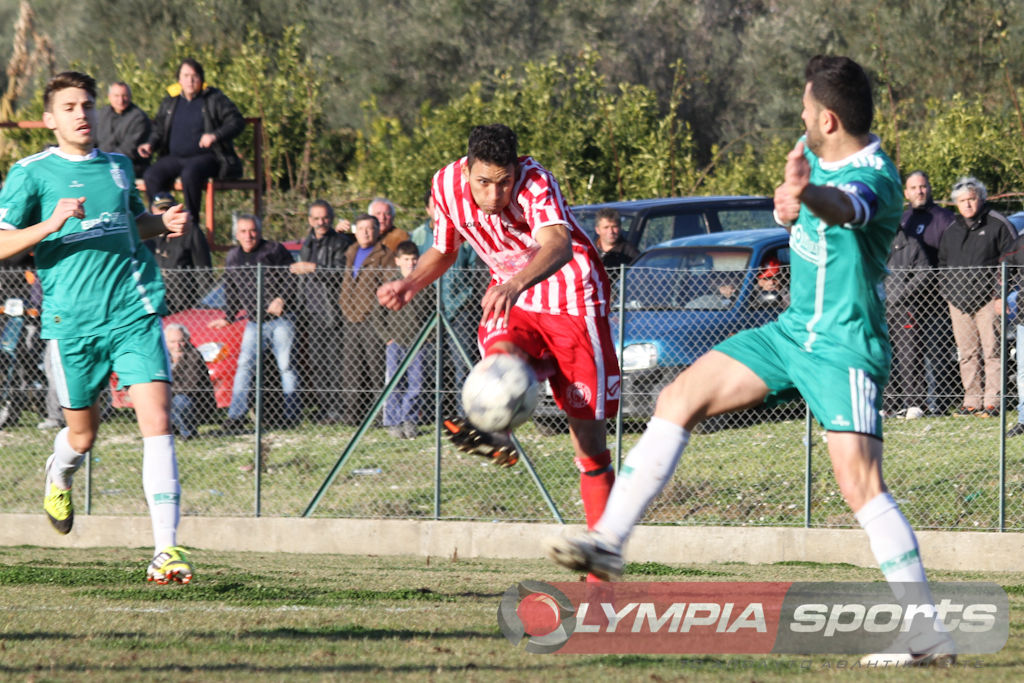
[974,244]
[192,135]
[918,318]
[121,126]
[318,276]
[278,329]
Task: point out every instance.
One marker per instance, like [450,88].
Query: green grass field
[944,471]
[88,615]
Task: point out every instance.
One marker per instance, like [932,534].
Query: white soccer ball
[500,393]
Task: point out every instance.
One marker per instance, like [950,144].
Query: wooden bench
[254,184]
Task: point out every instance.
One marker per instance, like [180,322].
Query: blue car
[684,296]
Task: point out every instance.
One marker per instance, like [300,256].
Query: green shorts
[842,396]
[82,365]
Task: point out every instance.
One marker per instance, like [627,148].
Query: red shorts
[586,380]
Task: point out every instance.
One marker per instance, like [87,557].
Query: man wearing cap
[185,261]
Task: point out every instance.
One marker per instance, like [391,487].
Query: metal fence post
[1003,293]
[808,473]
[438,395]
[622,333]
[258,408]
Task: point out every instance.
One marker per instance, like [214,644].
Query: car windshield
[706,278]
[587,218]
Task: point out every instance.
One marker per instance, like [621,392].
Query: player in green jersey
[78,210]
[841,199]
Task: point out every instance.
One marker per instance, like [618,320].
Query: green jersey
[95,272]
[837,303]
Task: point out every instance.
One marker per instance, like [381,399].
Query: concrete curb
[966,550]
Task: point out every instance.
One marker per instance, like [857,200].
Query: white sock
[66,460]
[163,493]
[646,471]
[892,540]
[895,548]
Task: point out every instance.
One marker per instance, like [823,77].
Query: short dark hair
[493,144]
[920,173]
[427,195]
[407,248]
[325,204]
[608,213]
[196,66]
[65,80]
[367,217]
[842,86]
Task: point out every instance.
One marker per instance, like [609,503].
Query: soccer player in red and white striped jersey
[548,297]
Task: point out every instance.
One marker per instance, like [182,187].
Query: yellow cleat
[170,564]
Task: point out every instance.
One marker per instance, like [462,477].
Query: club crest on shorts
[578,395]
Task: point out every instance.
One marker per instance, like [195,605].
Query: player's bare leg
[152,401]
[70,449]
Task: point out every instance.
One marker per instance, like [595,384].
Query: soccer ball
[500,393]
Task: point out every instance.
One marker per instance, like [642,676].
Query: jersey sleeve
[135,203]
[872,193]
[19,204]
[542,202]
[446,238]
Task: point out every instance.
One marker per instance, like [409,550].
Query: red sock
[596,479]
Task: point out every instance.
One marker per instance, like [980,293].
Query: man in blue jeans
[278,324]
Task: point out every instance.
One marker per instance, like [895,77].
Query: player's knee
[678,402]
[81,441]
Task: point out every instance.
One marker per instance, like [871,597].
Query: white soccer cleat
[585,553]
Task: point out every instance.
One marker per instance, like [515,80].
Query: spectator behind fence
[463,284]
[121,126]
[192,399]
[918,317]
[366,262]
[910,304]
[400,329]
[192,135]
[973,245]
[1014,260]
[278,331]
[184,261]
[611,247]
[319,271]
[384,211]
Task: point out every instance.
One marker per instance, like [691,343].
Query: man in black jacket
[192,135]
[974,244]
[918,319]
[278,329]
[319,270]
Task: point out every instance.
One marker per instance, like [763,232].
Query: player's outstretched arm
[174,222]
[14,242]
[432,265]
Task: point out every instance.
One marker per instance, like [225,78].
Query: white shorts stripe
[601,371]
[863,392]
[59,379]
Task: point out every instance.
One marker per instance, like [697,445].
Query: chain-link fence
[332,416]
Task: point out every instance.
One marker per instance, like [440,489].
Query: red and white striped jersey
[505,241]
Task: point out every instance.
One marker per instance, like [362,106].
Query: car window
[587,218]
[659,229]
[706,279]
[745,219]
